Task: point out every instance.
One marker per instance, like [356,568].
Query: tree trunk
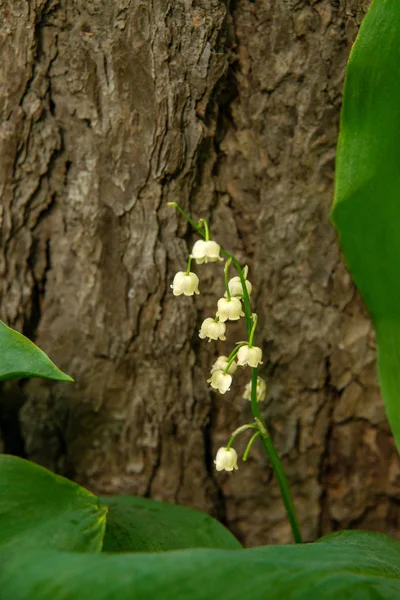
[111,109]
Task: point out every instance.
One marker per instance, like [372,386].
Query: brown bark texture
[112,108]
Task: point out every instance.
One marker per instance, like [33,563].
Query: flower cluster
[234,305]
[229,308]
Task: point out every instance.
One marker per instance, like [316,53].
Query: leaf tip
[66,378]
[59,375]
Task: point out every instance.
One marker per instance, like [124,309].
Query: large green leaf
[138,524]
[40,509]
[19,357]
[349,566]
[366,211]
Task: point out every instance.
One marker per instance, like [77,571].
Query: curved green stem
[226,273]
[284,488]
[249,445]
[253,329]
[246,297]
[189,264]
[206,230]
[239,430]
[275,461]
[188,219]
[232,355]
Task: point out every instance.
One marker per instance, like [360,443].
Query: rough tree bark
[112,108]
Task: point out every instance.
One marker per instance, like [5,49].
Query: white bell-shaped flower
[249,356]
[220,381]
[221,364]
[226,460]
[185,283]
[204,252]
[235,287]
[212,329]
[229,309]
[261,390]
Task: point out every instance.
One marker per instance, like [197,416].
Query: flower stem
[188,219]
[275,462]
[226,272]
[246,297]
[249,445]
[206,230]
[232,357]
[239,430]
[189,263]
[253,329]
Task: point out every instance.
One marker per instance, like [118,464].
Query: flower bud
[212,329]
[204,252]
[220,381]
[235,287]
[249,356]
[221,363]
[226,460]
[261,390]
[229,309]
[185,283]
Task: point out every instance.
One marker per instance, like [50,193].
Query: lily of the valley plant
[246,354]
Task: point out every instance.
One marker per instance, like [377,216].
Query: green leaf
[348,566]
[366,210]
[40,509]
[138,524]
[19,357]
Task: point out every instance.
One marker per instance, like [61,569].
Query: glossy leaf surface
[138,524]
[366,211]
[349,566]
[19,357]
[41,510]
